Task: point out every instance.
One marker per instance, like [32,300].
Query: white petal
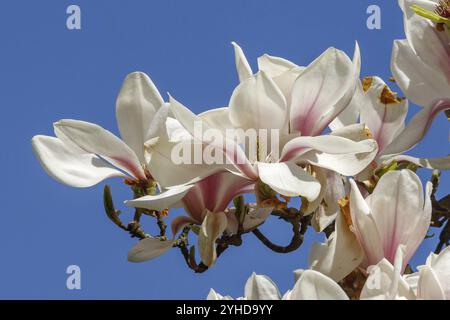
[149,248]
[160,201]
[93,139]
[441,266]
[318,90]
[340,256]
[416,128]
[313,285]
[136,106]
[384,121]
[360,155]
[289,179]
[429,44]
[69,167]
[255,217]
[217,118]
[380,283]
[257,103]
[351,101]
[330,144]
[274,66]
[242,66]
[235,155]
[429,287]
[365,227]
[420,83]
[212,228]
[260,287]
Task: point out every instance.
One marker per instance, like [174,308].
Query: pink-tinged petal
[214,193]
[314,285]
[429,287]
[419,82]
[295,148]
[168,166]
[149,248]
[348,164]
[365,228]
[289,179]
[234,154]
[399,213]
[164,200]
[257,103]
[242,66]
[340,255]
[385,119]
[93,139]
[318,90]
[416,128]
[214,224]
[348,105]
[70,167]
[260,287]
[136,106]
[429,163]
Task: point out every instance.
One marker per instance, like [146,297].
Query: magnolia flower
[83,154]
[257,103]
[395,214]
[384,115]
[385,281]
[312,285]
[257,287]
[205,202]
[420,63]
[296,88]
[431,282]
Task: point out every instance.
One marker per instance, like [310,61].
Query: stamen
[344,204]
[443,8]
[367,83]
[389,97]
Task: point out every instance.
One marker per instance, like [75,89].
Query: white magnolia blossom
[384,115]
[83,154]
[420,63]
[431,282]
[396,214]
[257,103]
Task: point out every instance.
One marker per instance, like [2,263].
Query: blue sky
[48,72]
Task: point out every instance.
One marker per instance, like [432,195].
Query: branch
[299,228]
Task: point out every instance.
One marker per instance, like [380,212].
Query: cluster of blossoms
[336,143]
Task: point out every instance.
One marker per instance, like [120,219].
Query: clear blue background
[48,72]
